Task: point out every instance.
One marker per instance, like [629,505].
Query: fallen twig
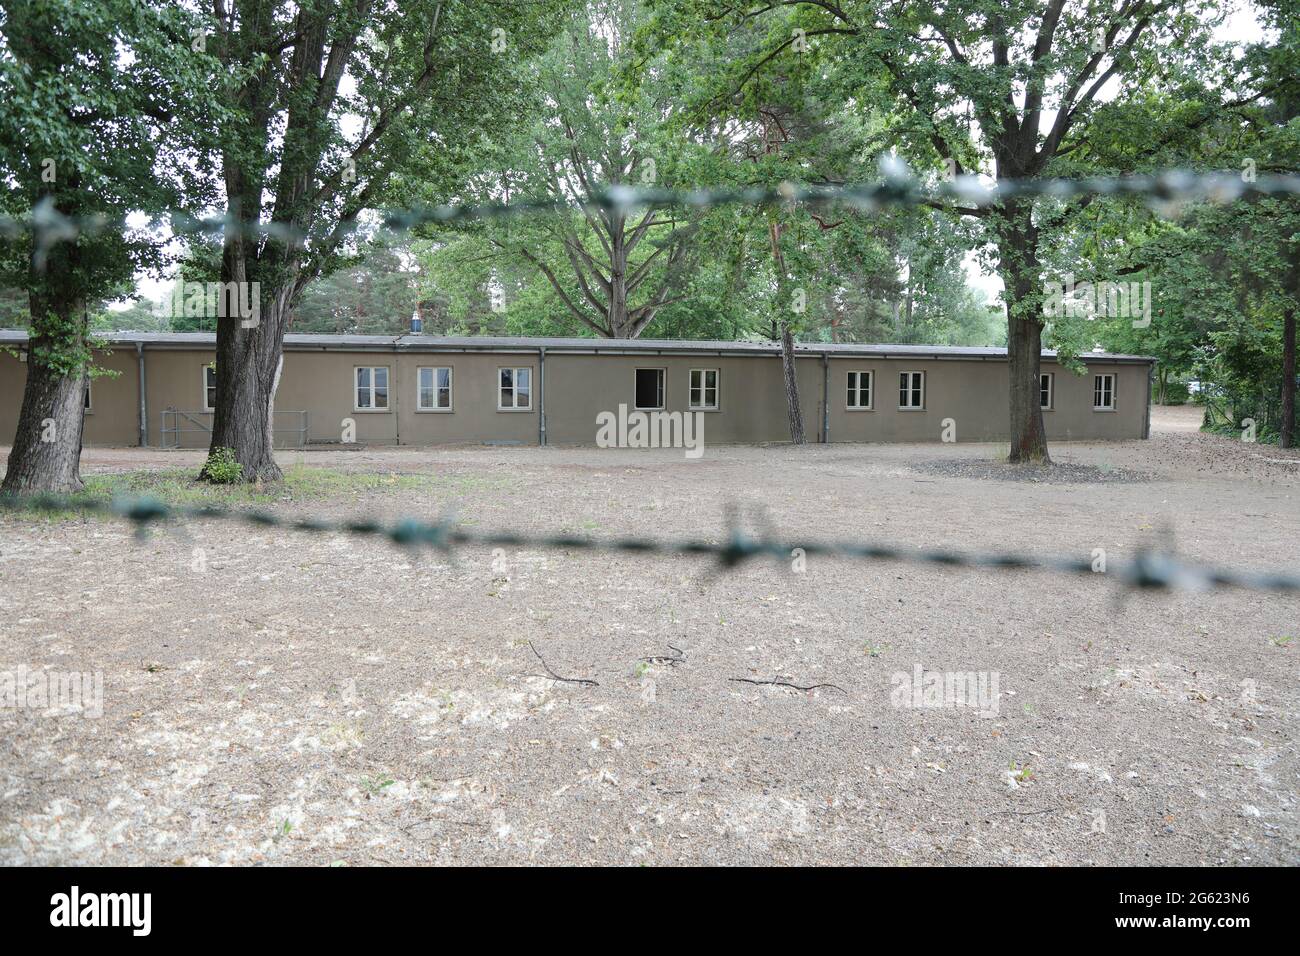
[785,683]
[1023,813]
[666,659]
[554,676]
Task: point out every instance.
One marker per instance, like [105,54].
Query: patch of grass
[375,785]
[301,481]
[178,486]
[222,468]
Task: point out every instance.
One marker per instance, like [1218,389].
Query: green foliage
[96,94]
[1222,277]
[650,112]
[552,98]
[376,294]
[222,468]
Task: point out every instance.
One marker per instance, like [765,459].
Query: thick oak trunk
[1024,364]
[250,349]
[249,361]
[791,386]
[1018,260]
[46,453]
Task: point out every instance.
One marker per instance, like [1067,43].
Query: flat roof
[489,343]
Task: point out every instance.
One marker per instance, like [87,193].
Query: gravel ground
[278,698]
[1057,473]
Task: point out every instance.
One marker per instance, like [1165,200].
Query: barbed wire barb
[898,186]
[1148,570]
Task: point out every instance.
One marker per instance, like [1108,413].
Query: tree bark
[787,339]
[791,386]
[46,453]
[1024,353]
[249,359]
[1018,261]
[248,374]
[1287,439]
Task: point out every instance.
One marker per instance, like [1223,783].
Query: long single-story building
[425,390]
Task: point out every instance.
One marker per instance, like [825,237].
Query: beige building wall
[475,414]
[114,414]
[974,395]
[751,394]
[174,379]
[578,387]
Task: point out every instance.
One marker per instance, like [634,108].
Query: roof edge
[516,344]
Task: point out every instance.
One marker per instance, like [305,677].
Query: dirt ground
[274,697]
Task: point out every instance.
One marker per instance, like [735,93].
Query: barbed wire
[897,187]
[1147,570]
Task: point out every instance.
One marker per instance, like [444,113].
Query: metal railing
[181,429]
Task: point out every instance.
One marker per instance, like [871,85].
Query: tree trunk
[907,335]
[1287,439]
[791,386]
[787,338]
[619,321]
[1024,354]
[46,453]
[248,374]
[249,359]
[1018,260]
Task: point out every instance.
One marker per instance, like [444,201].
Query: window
[372,388]
[209,388]
[434,389]
[649,388]
[1045,391]
[87,405]
[860,390]
[1103,393]
[911,390]
[704,389]
[516,390]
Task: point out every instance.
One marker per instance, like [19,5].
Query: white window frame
[419,388]
[703,389]
[856,389]
[514,371]
[203,382]
[663,389]
[1096,390]
[388,389]
[1051,391]
[910,390]
[88,403]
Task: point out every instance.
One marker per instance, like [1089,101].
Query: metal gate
[182,429]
